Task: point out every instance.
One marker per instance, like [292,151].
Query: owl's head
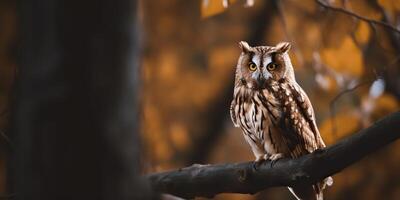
[258,66]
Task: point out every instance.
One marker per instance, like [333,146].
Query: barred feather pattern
[272,110]
[276,120]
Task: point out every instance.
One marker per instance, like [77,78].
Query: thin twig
[378,75]
[392,63]
[288,35]
[337,97]
[347,12]
[375,33]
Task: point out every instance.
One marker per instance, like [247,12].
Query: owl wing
[310,116]
[233,114]
[298,123]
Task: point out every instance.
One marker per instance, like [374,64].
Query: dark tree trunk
[219,111]
[75,121]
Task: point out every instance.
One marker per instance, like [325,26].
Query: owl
[273,112]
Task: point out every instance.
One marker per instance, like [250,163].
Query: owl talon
[274,158]
[257,163]
[276,116]
[272,163]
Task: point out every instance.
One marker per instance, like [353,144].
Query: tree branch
[209,180]
[332,104]
[217,112]
[347,12]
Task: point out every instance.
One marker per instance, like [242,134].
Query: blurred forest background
[350,69]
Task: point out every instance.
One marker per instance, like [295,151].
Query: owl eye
[252,66]
[272,66]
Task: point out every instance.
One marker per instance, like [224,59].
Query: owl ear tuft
[244,46]
[283,47]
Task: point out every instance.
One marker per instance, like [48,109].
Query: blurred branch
[209,180]
[338,96]
[347,12]
[261,22]
[289,36]
[218,110]
[391,74]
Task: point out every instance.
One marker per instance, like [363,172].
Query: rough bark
[209,180]
[74,120]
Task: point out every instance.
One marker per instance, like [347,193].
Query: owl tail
[311,192]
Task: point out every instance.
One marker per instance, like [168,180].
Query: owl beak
[261,81]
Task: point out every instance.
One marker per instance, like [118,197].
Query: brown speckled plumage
[272,110]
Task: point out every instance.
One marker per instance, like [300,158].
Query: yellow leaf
[363,33]
[162,151]
[211,7]
[179,136]
[385,105]
[335,27]
[345,124]
[168,67]
[392,5]
[364,9]
[346,58]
